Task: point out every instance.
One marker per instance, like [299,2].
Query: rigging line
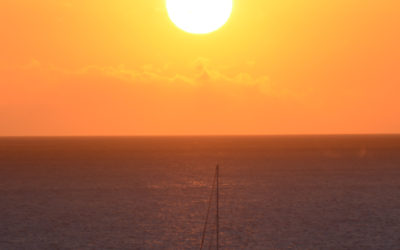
[211,241]
[208,211]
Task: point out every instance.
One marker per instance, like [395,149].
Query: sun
[199,16]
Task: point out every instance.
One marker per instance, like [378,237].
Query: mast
[215,184]
[217,215]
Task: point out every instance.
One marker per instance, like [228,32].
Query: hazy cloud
[199,74]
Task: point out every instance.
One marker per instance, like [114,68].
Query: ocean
[276,192]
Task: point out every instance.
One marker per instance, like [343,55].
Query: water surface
[299,192]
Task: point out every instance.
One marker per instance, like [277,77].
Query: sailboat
[215,185]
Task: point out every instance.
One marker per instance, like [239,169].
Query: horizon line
[201,135]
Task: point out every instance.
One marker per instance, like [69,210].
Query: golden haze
[122,68]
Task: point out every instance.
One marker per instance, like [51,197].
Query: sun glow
[199,16]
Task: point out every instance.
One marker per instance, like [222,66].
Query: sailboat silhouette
[215,185]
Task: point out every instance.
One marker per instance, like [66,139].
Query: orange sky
[100,67]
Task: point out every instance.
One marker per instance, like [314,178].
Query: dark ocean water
[312,192]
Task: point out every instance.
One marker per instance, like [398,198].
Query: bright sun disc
[199,16]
